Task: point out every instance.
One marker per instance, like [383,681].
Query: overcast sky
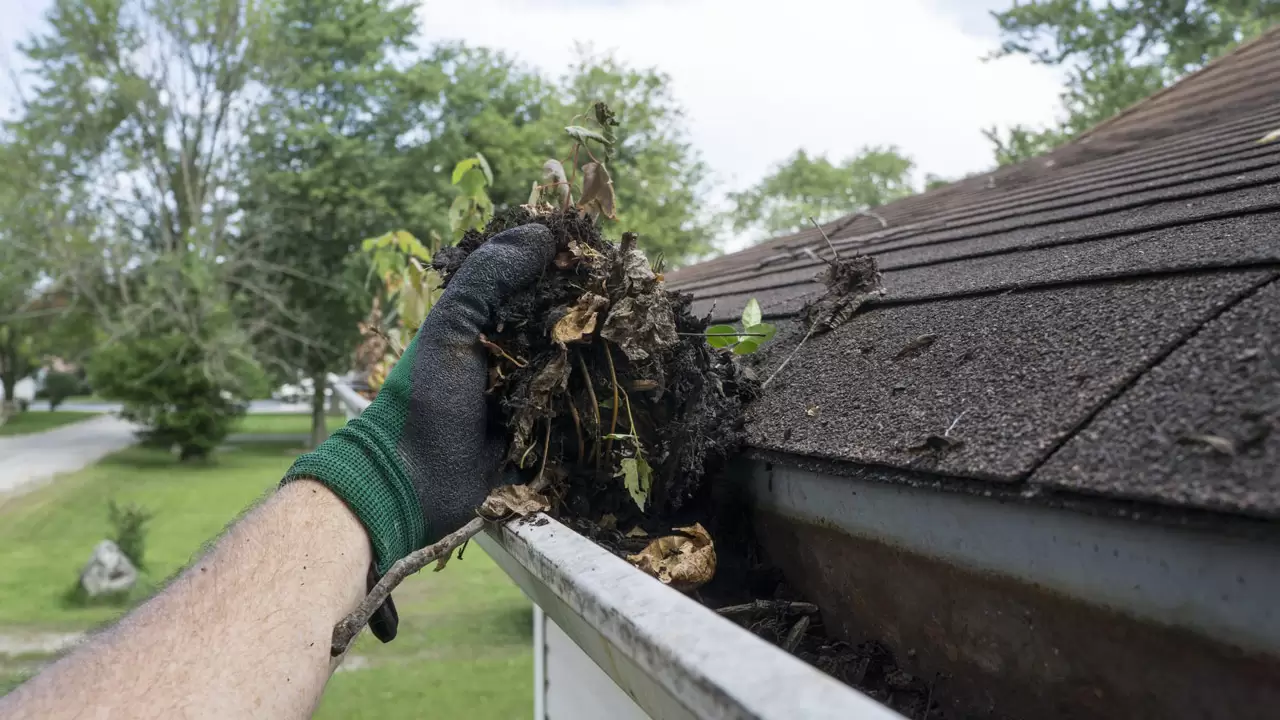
[760,78]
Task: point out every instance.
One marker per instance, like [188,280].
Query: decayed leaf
[597,190]
[580,320]
[637,476]
[581,134]
[513,501]
[641,325]
[549,381]
[685,562]
[637,532]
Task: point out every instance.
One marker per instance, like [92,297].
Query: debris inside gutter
[611,394]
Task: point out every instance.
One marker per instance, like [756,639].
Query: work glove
[417,462]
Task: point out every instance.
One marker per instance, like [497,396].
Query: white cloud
[760,78]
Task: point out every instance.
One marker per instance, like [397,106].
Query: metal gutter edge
[1220,587]
[674,657]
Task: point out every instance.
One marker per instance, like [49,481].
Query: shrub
[184,390]
[129,530]
[59,386]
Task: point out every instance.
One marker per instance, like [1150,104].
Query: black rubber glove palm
[418,461]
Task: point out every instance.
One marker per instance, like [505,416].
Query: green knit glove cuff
[359,463]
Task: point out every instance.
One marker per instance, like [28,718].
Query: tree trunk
[9,381]
[318,430]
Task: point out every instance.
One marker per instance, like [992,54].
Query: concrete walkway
[26,461]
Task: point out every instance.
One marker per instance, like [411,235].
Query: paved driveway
[28,460]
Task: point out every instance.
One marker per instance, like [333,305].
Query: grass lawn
[276,423]
[33,421]
[465,634]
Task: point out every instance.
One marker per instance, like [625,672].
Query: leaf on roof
[1270,137]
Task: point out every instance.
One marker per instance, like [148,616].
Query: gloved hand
[418,461]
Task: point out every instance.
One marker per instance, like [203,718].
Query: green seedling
[747,340]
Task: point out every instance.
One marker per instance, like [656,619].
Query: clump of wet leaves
[607,384]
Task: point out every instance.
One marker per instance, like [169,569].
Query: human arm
[246,632]
[243,632]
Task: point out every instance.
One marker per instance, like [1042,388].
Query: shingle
[1242,240]
[1024,369]
[914,251]
[1225,383]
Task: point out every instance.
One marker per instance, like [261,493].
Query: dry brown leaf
[685,562]
[513,500]
[580,320]
[597,190]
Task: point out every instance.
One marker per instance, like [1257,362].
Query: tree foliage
[807,186]
[1116,54]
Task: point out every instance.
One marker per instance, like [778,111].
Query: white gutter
[670,655]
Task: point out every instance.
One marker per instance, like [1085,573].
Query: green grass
[273,423]
[33,421]
[465,633]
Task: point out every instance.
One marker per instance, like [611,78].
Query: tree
[804,187]
[479,101]
[139,114]
[1116,54]
[659,179]
[325,171]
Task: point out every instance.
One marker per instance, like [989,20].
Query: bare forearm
[244,632]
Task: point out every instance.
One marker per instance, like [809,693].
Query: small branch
[769,606]
[953,424]
[613,375]
[351,625]
[803,340]
[745,334]
[834,254]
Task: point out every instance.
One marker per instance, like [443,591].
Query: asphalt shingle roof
[1090,310]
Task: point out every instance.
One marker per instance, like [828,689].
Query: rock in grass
[108,572]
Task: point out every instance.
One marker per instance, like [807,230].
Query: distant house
[1045,467]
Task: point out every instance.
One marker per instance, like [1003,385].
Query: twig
[495,347]
[795,350]
[953,424]
[796,635]
[351,625]
[835,254]
[595,404]
[577,426]
[613,375]
[763,606]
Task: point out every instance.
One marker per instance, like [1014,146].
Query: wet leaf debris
[602,376]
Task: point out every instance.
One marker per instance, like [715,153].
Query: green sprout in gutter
[753,334]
